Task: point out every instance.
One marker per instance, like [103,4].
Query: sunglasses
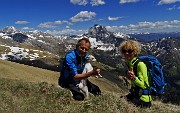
[83,48]
[127,51]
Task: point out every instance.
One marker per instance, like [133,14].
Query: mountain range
[154,36]
[40,49]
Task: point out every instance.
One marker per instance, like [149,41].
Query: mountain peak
[10,29]
[99,32]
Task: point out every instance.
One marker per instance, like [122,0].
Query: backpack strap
[135,62]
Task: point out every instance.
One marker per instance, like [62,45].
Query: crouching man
[71,72]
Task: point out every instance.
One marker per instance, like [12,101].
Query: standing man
[71,72]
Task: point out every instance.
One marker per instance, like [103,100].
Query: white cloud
[85,2]
[66,31]
[21,22]
[79,2]
[113,18]
[141,27]
[97,2]
[156,26]
[67,27]
[47,25]
[58,22]
[161,2]
[172,8]
[98,20]
[83,16]
[53,24]
[101,19]
[27,28]
[128,1]
[159,26]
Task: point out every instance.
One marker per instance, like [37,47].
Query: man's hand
[96,71]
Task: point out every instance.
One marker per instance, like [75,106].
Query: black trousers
[137,102]
[78,95]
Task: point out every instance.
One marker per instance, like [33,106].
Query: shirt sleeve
[141,75]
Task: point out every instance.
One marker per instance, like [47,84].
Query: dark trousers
[78,95]
[137,102]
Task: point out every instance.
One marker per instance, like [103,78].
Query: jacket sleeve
[70,62]
[141,75]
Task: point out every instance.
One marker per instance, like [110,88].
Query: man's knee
[78,96]
[130,97]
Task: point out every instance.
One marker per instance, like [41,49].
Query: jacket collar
[132,61]
[77,52]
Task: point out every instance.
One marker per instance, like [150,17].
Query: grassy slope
[29,89]
[32,74]
[27,73]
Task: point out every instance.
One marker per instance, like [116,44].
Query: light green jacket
[141,78]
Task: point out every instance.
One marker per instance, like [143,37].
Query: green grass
[26,89]
[17,96]
[21,97]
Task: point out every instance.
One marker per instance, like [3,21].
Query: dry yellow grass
[27,73]
[106,85]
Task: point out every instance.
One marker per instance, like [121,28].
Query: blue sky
[77,16]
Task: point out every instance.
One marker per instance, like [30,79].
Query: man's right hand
[96,71]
